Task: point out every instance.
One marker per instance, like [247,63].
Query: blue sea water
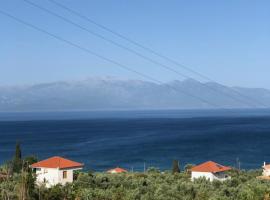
[106,139]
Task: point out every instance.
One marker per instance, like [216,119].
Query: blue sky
[226,40]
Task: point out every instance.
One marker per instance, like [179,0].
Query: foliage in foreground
[152,185]
[18,183]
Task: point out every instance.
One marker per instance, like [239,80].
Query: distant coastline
[139,113]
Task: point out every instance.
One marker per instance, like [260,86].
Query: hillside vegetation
[17,182]
[152,185]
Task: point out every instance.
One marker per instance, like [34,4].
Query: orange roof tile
[57,162]
[117,170]
[210,166]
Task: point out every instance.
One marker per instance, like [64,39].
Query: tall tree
[17,160]
[175,168]
[18,152]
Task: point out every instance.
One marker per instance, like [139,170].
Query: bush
[152,185]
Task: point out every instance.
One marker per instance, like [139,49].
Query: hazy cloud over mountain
[109,93]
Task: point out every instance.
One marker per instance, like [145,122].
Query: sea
[140,139]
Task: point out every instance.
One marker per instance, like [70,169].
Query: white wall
[47,175]
[266,172]
[207,175]
[210,176]
[53,176]
[69,178]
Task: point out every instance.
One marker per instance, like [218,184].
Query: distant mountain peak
[114,93]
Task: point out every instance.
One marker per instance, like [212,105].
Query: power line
[251,100]
[105,58]
[104,38]
[128,49]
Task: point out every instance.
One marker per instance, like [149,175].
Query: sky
[227,41]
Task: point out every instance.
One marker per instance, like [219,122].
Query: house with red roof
[116,170]
[211,171]
[55,170]
[266,170]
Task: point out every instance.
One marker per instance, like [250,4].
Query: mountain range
[118,94]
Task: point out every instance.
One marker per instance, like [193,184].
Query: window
[64,174]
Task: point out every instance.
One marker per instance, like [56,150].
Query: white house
[210,170]
[55,170]
[266,170]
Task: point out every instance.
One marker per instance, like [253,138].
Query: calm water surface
[129,139]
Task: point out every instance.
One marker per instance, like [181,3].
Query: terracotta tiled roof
[210,166]
[57,162]
[117,170]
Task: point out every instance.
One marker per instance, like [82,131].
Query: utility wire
[251,100]
[75,45]
[128,49]
[102,37]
